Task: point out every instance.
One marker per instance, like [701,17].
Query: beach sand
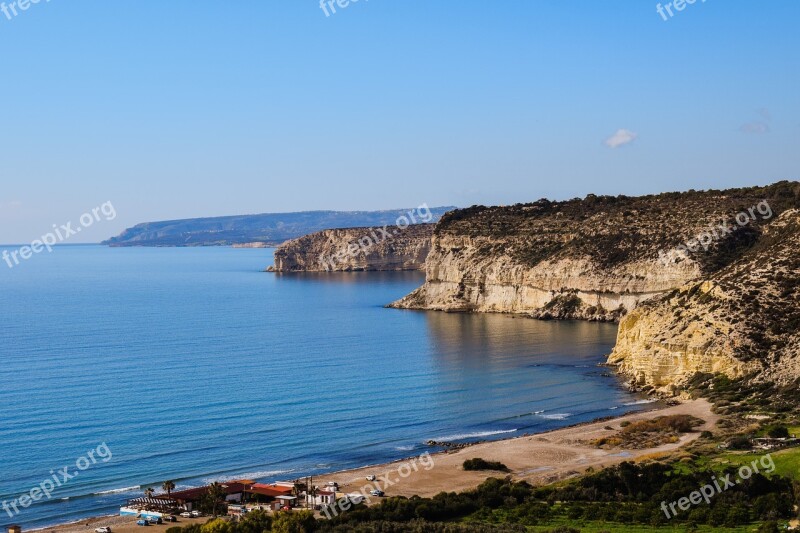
[538,459]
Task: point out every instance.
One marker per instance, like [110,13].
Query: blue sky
[195,108]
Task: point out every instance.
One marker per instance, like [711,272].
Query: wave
[613,408]
[557,416]
[641,402]
[247,475]
[538,412]
[405,448]
[117,491]
[477,434]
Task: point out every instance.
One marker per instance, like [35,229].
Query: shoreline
[539,458]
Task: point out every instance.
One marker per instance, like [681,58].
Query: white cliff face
[730,308]
[740,322]
[460,277]
[356,249]
[661,347]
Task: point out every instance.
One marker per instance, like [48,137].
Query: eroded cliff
[741,321]
[703,290]
[356,249]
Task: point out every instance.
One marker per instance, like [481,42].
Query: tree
[298,487]
[216,493]
[778,432]
[168,486]
[148,492]
[218,525]
[255,522]
[294,522]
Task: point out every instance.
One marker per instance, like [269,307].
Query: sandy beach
[539,459]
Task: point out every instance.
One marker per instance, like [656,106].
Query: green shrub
[481,464]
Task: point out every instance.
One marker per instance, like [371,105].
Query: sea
[195,365]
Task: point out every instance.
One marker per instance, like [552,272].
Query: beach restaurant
[238,492]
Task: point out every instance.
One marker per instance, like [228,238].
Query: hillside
[728,303]
[271,228]
[743,320]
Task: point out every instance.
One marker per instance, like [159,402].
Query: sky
[195,108]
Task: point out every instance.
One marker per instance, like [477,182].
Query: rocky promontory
[356,249]
[703,281]
[741,321]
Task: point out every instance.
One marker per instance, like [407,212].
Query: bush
[739,443]
[480,464]
[778,432]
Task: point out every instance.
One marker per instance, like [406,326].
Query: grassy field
[599,527]
[787,462]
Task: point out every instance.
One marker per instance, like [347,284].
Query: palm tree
[216,492]
[312,492]
[148,492]
[297,488]
[168,486]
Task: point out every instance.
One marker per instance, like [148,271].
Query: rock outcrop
[741,321]
[356,249]
[703,291]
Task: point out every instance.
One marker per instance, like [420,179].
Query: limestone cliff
[356,249]
[595,258]
[740,321]
[707,279]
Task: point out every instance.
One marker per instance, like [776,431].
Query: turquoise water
[193,365]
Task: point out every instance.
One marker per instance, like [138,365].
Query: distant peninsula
[268,229]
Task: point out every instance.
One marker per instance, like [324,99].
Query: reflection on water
[478,340]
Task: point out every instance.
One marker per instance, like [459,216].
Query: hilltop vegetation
[617,229]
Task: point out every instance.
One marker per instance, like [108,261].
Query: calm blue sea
[193,365]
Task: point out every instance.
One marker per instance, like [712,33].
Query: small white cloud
[756,127]
[621,138]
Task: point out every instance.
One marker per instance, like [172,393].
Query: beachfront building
[261,493]
[323,497]
[185,500]
[241,496]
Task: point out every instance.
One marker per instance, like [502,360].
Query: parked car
[142,523]
[171,518]
[186,514]
[371,478]
[196,514]
[377,492]
[155,520]
[103,530]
